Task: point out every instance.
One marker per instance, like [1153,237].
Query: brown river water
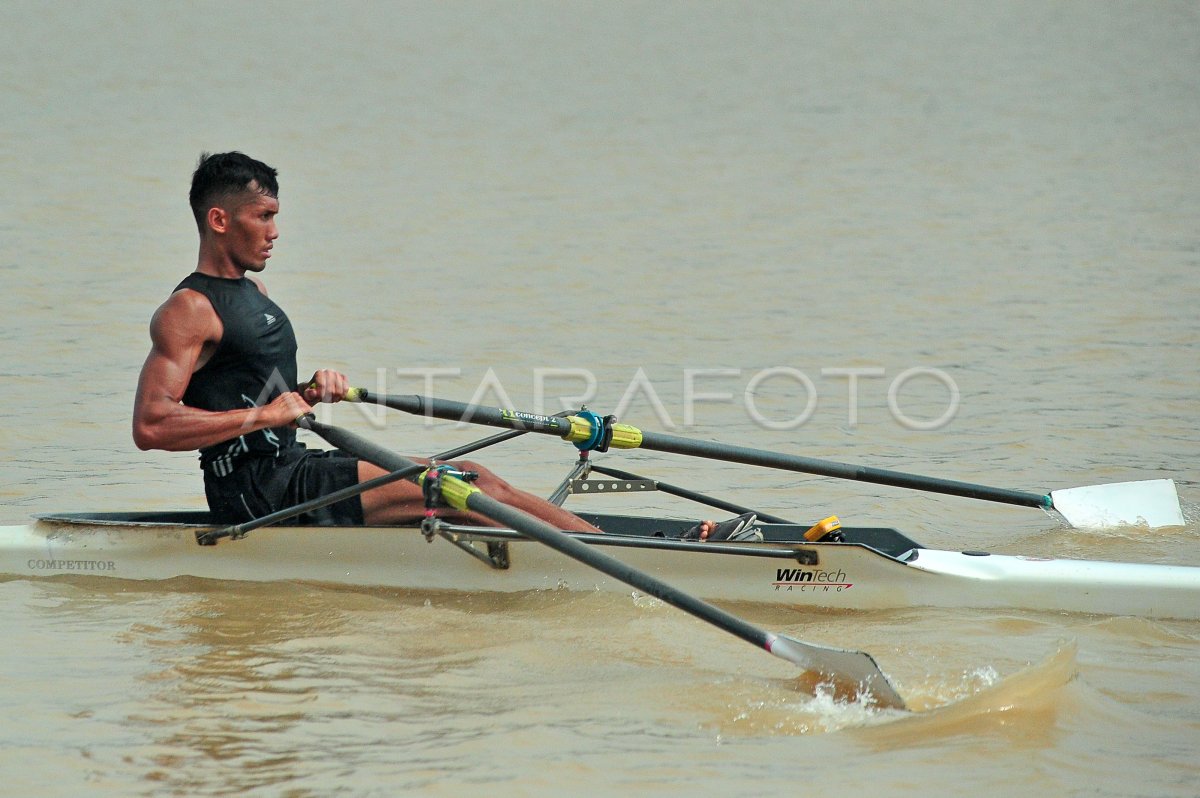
[957,239]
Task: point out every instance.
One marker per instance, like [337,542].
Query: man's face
[252,231]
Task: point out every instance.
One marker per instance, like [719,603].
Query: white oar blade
[852,672]
[1150,503]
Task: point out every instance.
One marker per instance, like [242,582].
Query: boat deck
[884,540]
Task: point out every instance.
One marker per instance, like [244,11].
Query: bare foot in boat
[741,528]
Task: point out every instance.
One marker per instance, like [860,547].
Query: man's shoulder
[186,301]
[186,311]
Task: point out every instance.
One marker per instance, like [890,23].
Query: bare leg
[402,502]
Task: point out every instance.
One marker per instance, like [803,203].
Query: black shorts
[262,485]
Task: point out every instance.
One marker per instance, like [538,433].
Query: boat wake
[1020,706]
[981,701]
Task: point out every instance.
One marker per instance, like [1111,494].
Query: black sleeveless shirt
[254,363]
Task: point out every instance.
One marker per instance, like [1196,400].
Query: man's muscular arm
[179,333]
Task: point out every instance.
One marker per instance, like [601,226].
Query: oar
[1152,503]
[850,672]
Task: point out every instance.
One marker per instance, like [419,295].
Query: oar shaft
[450,410]
[562,427]
[853,668]
[356,445]
[542,532]
[741,454]
[593,557]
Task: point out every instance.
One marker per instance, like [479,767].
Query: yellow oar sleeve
[455,491]
[623,435]
[626,437]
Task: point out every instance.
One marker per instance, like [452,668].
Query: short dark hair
[226,174]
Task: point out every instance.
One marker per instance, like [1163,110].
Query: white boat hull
[800,574]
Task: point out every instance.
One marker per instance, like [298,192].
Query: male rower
[221,377]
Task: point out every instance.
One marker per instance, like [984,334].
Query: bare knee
[487,480]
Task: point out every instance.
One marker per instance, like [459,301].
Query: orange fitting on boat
[825,526]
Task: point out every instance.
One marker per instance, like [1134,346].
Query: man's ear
[218,219]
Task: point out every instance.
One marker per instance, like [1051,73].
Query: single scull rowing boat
[821,566]
[869,568]
[874,568]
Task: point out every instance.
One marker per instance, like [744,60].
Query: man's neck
[216,264]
